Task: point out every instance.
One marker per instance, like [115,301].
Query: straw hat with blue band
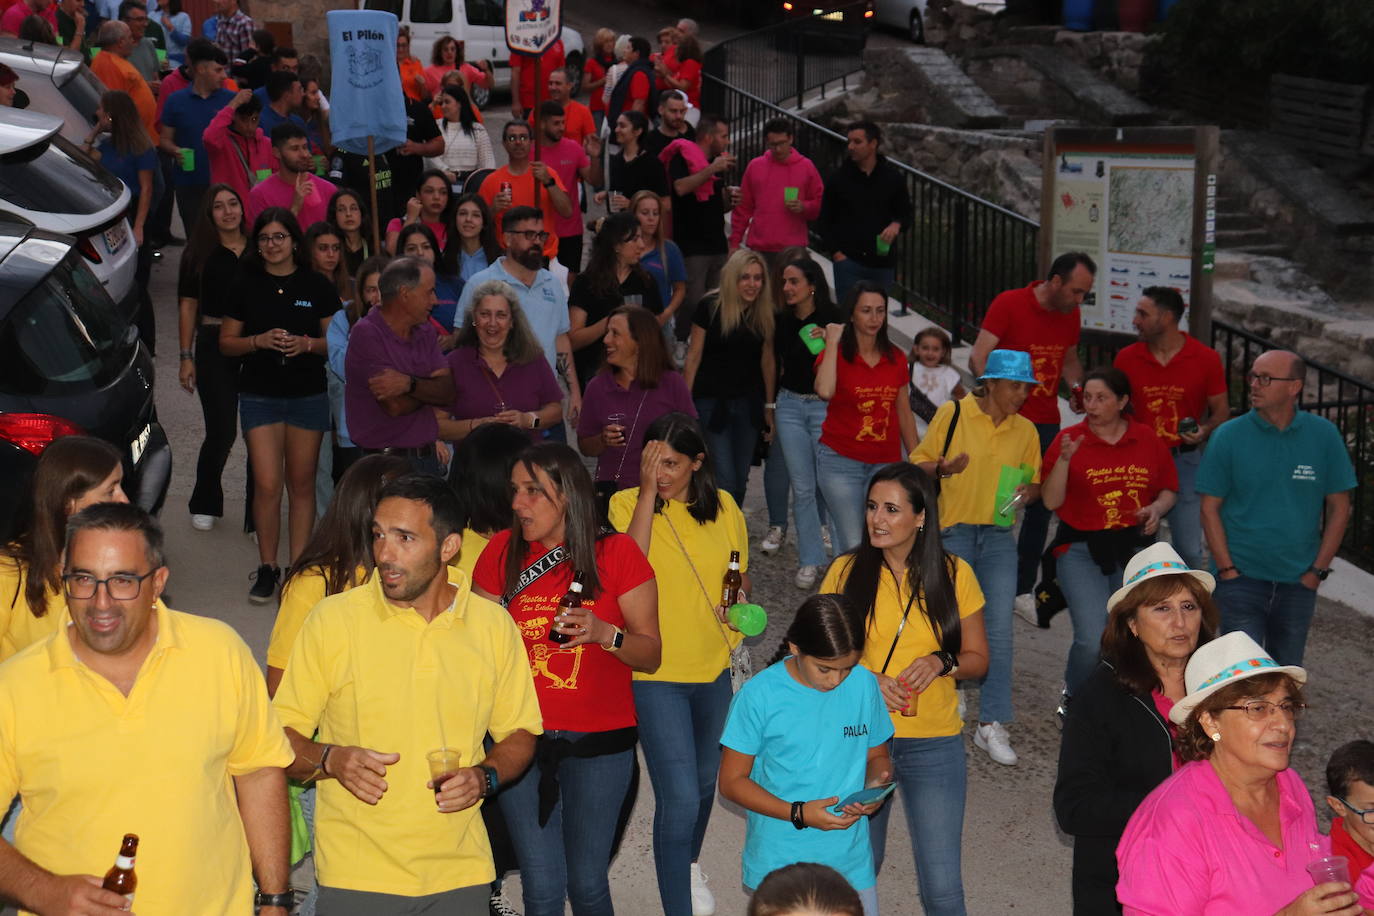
[1159,559]
[1012,365]
[1224,661]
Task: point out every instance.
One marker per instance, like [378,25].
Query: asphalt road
[1015,860]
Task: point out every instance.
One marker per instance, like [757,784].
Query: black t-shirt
[655,142]
[638,289]
[731,365]
[796,363]
[253,73]
[642,173]
[405,170]
[210,287]
[698,227]
[297,304]
[355,179]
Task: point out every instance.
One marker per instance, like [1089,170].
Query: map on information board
[1132,211]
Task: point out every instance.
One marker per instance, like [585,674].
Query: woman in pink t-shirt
[429,207]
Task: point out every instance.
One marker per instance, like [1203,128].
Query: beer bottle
[121,878]
[734,582]
[571,600]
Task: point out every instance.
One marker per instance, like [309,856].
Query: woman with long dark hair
[72,473]
[467,145]
[863,377]
[369,294]
[430,206]
[688,528]
[480,476]
[562,812]
[923,613]
[472,240]
[283,393]
[633,168]
[348,213]
[611,279]
[418,241]
[208,267]
[324,246]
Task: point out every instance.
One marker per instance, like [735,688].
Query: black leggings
[217,384]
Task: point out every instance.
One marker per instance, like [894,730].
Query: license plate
[116,236]
[140,442]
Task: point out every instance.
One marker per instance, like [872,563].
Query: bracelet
[187,354]
[948,662]
[253,342]
[798,820]
[324,759]
[773,406]
[1226,569]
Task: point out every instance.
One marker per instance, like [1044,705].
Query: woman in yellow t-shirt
[337,557]
[924,613]
[480,475]
[72,473]
[687,527]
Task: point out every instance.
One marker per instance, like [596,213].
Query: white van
[480,25]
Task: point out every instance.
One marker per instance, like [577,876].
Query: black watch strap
[1320,573]
[491,781]
[286,899]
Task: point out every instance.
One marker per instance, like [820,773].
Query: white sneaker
[773,539]
[993,739]
[825,541]
[703,901]
[806,577]
[202,522]
[1024,607]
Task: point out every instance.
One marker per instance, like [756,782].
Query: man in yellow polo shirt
[139,719]
[408,663]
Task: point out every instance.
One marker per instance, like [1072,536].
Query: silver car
[46,181]
[57,82]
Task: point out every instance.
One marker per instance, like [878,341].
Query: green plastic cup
[161,56]
[814,344]
[188,159]
[883,247]
[790,194]
[319,166]
[262,175]
[749,619]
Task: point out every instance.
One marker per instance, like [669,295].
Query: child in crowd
[934,380]
[803,734]
[805,889]
[1350,780]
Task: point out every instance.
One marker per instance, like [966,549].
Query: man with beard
[394,372]
[410,663]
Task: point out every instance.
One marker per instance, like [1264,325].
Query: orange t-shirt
[522,195]
[411,68]
[117,73]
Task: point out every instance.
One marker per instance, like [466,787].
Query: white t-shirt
[937,384]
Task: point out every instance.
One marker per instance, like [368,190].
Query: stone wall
[1115,56]
[309,32]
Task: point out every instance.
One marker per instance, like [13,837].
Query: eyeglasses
[518,138]
[1263,380]
[1259,710]
[275,238]
[123,587]
[1367,815]
[530,235]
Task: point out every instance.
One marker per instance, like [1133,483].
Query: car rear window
[54,177]
[83,90]
[65,335]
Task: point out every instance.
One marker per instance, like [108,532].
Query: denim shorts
[310,411]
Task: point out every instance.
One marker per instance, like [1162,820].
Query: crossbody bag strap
[710,605]
[629,437]
[532,572]
[900,627]
[949,435]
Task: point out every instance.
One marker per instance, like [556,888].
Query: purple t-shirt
[480,393]
[275,191]
[372,347]
[565,157]
[641,407]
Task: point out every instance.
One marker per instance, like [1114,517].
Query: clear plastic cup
[1328,869]
[443,763]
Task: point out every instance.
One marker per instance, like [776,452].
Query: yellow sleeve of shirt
[836,575]
[310,674]
[515,705]
[967,592]
[11,602]
[9,773]
[258,738]
[301,594]
[622,509]
[934,442]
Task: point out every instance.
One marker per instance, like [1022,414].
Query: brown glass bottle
[733,583]
[572,599]
[121,878]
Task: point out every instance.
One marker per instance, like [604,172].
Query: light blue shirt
[1273,484]
[469,265]
[336,341]
[807,744]
[545,304]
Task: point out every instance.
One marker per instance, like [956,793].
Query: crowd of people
[515,473]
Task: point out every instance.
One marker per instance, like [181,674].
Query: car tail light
[868,14]
[88,249]
[787,6]
[34,432]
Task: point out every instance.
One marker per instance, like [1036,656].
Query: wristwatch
[286,900]
[948,661]
[616,642]
[413,382]
[549,183]
[534,420]
[490,782]
[1321,574]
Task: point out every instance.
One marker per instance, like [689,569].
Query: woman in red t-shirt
[868,419]
[686,74]
[1110,480]
[594,72]
[562,812]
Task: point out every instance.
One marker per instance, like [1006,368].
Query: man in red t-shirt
[1175,377]
[522,78]
[1042,320]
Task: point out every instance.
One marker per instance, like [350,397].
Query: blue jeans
[570,855]
[679,729]
[844,483]
[849,271]
[731,446]
[798,434]
[1035,526]
[933,778]
[1086,590]
[991,551]
[776,483]
[1274,614]
[1185,518]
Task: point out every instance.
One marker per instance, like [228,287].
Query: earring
[1216,736]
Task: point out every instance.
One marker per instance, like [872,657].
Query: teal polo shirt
[1273,484]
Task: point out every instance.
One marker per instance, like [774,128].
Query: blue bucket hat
[1012,365]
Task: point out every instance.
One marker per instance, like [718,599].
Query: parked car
[481,26]
[46,180]
[73,363]
[57,82]
[907,15]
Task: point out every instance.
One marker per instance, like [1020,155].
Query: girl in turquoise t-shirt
[801,736]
